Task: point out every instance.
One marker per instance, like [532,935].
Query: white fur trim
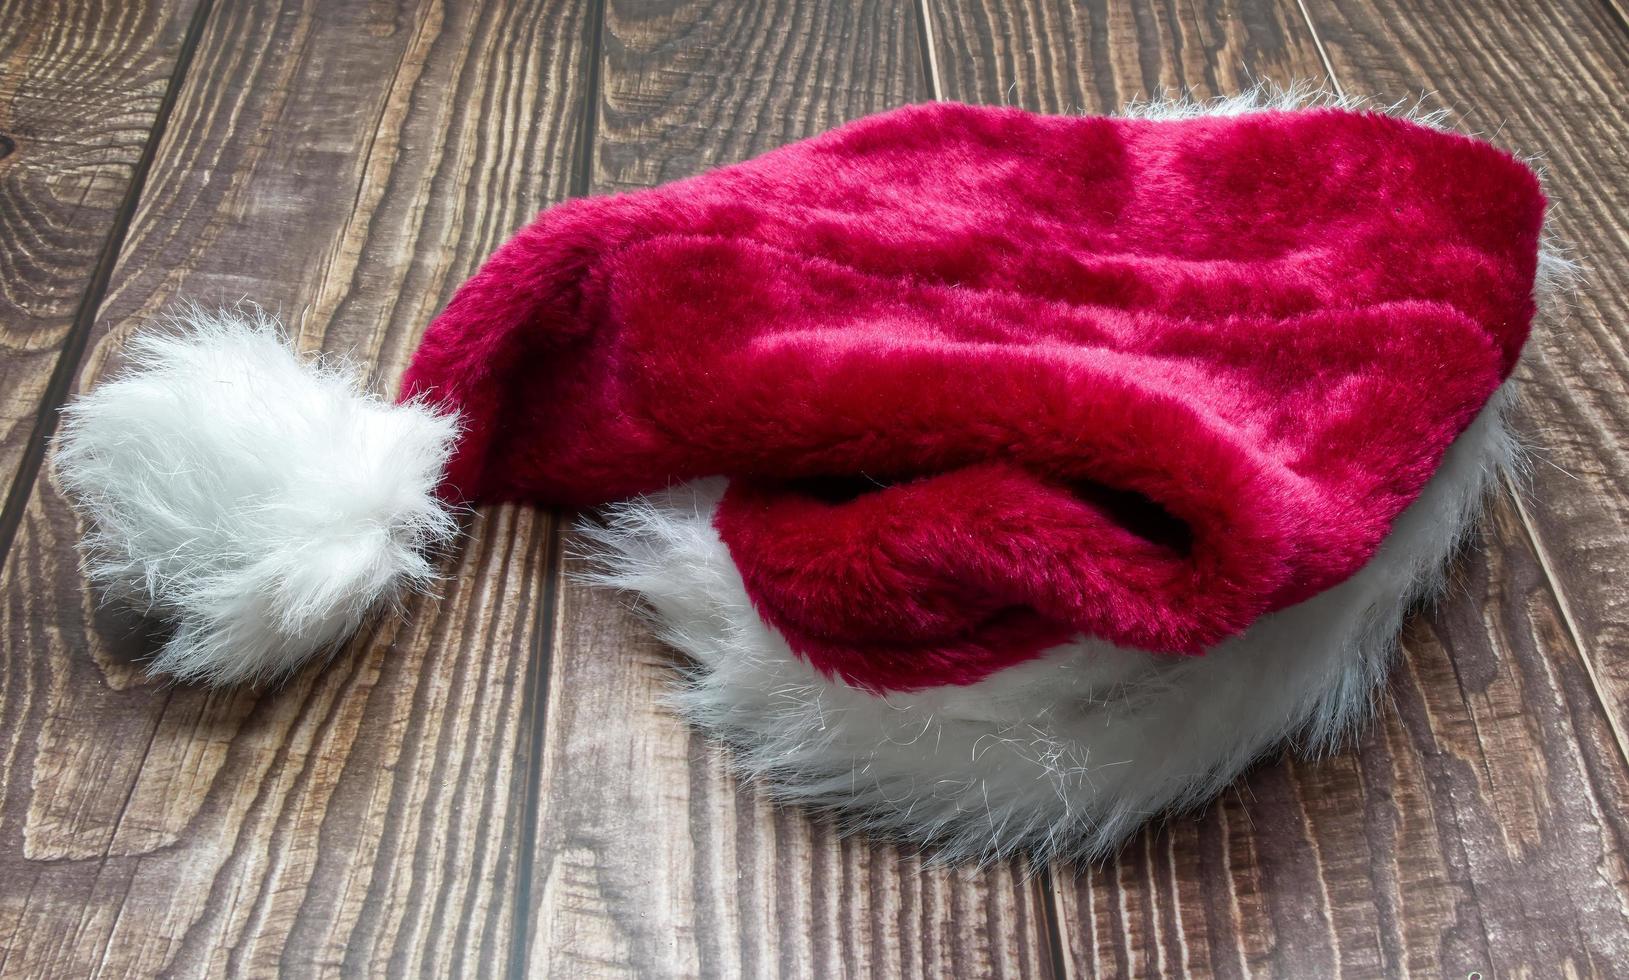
[1065,755]
[263,504]
[1268,96]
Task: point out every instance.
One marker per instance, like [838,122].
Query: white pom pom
[263,504]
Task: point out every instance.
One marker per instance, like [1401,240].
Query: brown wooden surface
[1548,80]
[83,93]
[348,164]
[493,788]
[667,865]
[1479,828]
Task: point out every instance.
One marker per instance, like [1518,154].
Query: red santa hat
[1007,479]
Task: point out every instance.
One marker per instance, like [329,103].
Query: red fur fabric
[984,379]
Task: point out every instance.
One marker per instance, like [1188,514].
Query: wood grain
[82,87]
[347,163]
[493,787]
[1548,80]
[1478,826]
[651,860]
[1069,57]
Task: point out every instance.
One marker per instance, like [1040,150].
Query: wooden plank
[82,84]
[1478,826]
[347,163]
[650,859]
[1061,57]
[1544,79]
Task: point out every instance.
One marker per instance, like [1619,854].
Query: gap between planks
[1619,12]
[1568,620]
[74,343]
[1051,925]
[534,713]
[1552,581]
[537,693]
[1317,44]
[535,707]
[930,54]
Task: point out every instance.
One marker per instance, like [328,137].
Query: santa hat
[1007,479]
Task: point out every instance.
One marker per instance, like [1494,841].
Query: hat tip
[263,503]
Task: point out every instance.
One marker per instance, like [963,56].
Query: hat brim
[1062,756]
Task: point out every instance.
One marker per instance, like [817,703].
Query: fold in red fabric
[984,380]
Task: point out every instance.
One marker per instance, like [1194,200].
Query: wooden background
[490,789]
